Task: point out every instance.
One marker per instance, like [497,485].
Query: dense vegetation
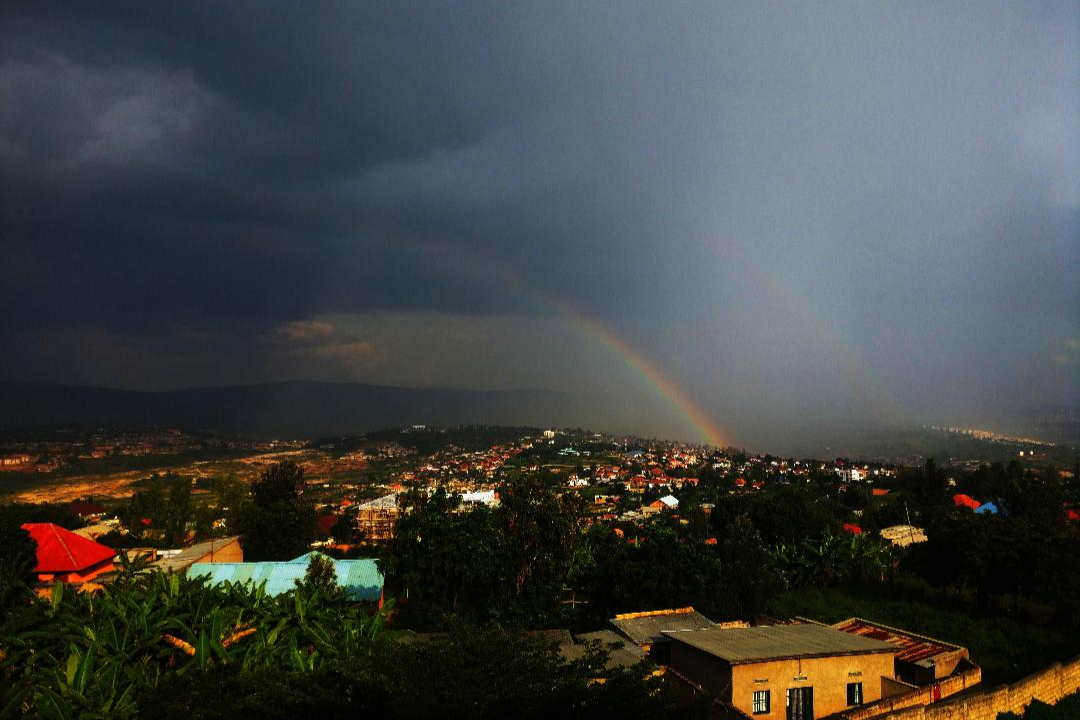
[173,647]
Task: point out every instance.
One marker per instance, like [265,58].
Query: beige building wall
[828,676]
[232,552]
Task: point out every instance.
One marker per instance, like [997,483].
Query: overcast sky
[858,213]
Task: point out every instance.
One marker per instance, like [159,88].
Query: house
[376,519]
[903,535]
[797,672]
[621,652]
[918,660]
[63,556]
[962,500]
[481,497]
[987,507]
[647,629]
[216,550]
[670,502]
[360,579]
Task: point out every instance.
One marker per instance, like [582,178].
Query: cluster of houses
[72,558]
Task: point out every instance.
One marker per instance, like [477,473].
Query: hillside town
[699,571]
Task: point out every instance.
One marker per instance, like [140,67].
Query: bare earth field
[116,484]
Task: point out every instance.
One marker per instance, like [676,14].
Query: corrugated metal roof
[625,655]
[756,644]
[910,647]
[360,579]
[645,628]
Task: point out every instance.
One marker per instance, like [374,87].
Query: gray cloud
[859,211]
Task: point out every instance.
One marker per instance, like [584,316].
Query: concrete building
[376,519]
[795,672]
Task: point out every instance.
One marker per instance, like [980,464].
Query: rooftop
[648,627]
[60,550]
[173,561]
[386,502]
[912,648]
[624,654]
[360,579]
[777,642]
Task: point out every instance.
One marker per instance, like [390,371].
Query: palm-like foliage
[81,654]
[831,559]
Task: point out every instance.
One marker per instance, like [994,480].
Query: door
[800,703]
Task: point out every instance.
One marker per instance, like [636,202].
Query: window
[761,702]
[854,693]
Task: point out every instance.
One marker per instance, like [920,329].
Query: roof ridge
[63,542]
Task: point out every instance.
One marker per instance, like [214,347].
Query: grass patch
[1006,650]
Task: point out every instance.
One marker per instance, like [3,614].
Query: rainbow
[708,431]
[845,354]
[691,412]
[846,357]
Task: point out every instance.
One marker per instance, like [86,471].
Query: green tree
[322,576]
[750,576]
[145,515]
[179,511]
[507,563]
[18,553]
[279,523]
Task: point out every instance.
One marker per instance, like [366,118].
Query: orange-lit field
[38,488]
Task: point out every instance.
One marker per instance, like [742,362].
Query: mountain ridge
[293,408]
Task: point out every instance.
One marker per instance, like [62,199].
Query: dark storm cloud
[867,210]
[188,162]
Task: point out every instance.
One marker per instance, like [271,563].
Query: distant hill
[295,409]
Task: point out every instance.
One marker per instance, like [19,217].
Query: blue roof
[987,507]
[360,579]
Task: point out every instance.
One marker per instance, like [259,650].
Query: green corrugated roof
[360,579]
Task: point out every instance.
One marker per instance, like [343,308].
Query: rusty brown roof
[913,648]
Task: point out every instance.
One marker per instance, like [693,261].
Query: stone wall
[1048,685]
[966,678]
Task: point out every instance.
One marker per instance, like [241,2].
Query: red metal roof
[962,500]
[60,550]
